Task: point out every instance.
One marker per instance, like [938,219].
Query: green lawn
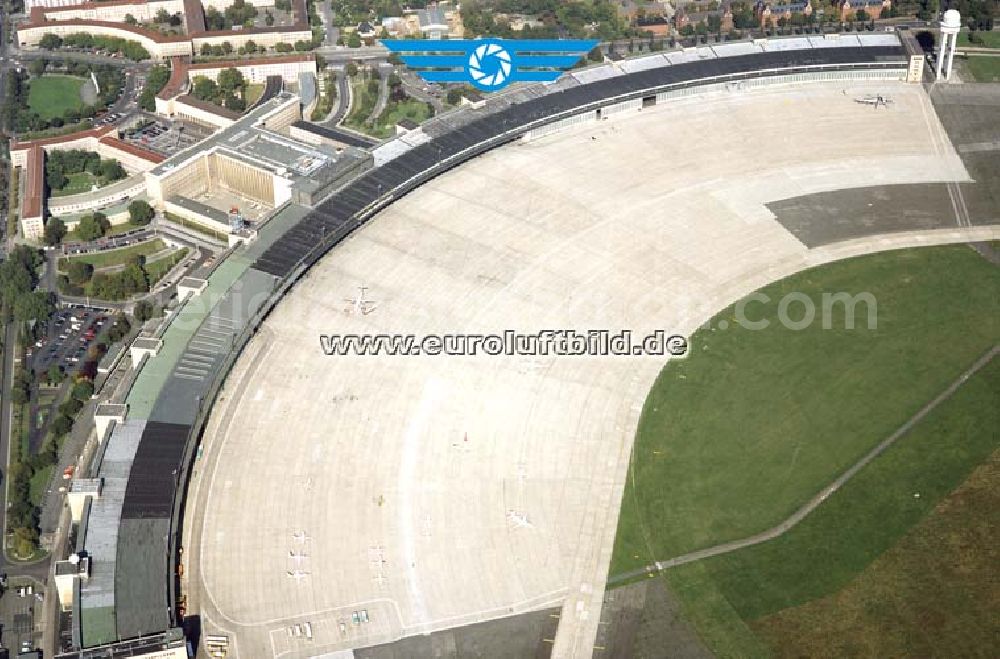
[51,95]
[39,483]
[728,595]
[943,612]
[984,68]
[160,267]
[362,104]
[116,256]
[406,109]
[986,39]
[253,92]
[76,183]
[752,424]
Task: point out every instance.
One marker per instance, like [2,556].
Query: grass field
[985,39]
[787,588]
[752,424]
[395,111]
[936,589]
[50,96]
[39,483]
[160,267]
[75,184]
[253,93]
[116,256]
[984,68]
[362,104]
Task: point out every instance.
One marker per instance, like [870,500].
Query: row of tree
[18,278]
[156,80]
[129,49]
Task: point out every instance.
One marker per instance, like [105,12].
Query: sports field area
[51,95]
[754,423]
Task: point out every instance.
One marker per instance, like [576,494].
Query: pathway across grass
[832,547]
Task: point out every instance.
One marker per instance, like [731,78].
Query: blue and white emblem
[490,64]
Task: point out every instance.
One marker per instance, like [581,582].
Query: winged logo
[490,64]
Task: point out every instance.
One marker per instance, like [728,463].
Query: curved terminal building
[297,504]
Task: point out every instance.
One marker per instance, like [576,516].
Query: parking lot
[110,242]
[70,333]
[17,613]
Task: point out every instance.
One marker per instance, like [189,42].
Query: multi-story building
[873,8]
[160,46]
[258,70]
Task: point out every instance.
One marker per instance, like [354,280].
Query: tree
[71,407]
[353,40]
[130,20]
[111,170]
[205,88]
[234,103]
[79,272]
[352,69]
[62,425]
[25,541]
[162,16]
[89,228]
[595,54]
[55,231]
[140,212]
[454,96]
[268,19]
[50,41]
[34,305]
[143,311]
[37,67]
[83,390]
[55,374]
[230,80]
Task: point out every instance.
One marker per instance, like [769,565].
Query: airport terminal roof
[132,523]
[200,208]
[335,135]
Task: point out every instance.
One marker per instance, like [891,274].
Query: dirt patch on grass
[935,594]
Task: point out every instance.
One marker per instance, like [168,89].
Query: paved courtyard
[425,493]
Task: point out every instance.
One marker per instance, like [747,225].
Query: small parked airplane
[358,304]
[297,556]
[875,100]
[298,575]
[300,536]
